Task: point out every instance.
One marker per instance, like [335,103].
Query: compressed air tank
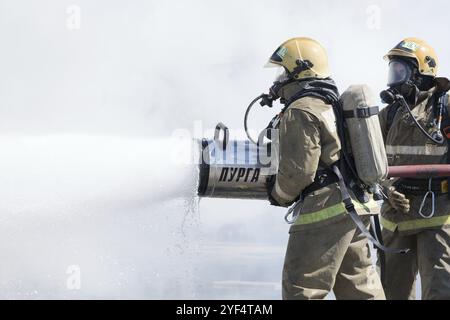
[364,132]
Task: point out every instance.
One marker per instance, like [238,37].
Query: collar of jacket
[319,88]
[424,97]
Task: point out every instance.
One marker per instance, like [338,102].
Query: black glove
[270,184]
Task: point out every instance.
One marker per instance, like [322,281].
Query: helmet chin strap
[302,65]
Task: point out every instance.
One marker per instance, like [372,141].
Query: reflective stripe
[284,195]
[388,225]
[332,212]
[415,224]
[428,150]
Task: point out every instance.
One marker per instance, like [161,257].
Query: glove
[269,187]
[398,200]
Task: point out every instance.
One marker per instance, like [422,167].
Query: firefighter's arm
[300,152]
[397,200]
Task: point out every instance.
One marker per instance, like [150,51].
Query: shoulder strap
[350,208]
[446,112]
[445,125]
[347,162]
[392,111]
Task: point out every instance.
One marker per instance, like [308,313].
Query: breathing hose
[266,100]
[390,97]
[436,140]
[247,112]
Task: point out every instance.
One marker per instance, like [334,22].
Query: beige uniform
[326,251]
[428,239]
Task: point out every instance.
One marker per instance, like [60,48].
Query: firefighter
[326,251]
[417,215]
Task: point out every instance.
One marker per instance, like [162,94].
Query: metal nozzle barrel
[235,169]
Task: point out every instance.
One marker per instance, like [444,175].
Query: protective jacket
[407,145]
[309,144]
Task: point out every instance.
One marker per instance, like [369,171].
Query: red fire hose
[420,171]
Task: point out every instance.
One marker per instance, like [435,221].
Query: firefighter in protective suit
[326,251]
[417,215]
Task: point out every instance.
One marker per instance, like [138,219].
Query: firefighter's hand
[273,201]
[269,186]
[398,200]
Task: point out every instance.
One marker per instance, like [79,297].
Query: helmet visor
[399,73]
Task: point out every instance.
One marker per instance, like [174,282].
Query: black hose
[390,96]
[247,112]
[405,104]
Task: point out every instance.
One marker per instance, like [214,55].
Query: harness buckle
[349,206]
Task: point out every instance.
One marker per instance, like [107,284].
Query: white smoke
[118,209]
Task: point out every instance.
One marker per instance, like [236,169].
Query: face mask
[281,80]
[281,75]
[399,73]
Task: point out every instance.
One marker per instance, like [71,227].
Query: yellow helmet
[302,58]
[420,51]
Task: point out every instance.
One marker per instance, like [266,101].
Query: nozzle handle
[226,135]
